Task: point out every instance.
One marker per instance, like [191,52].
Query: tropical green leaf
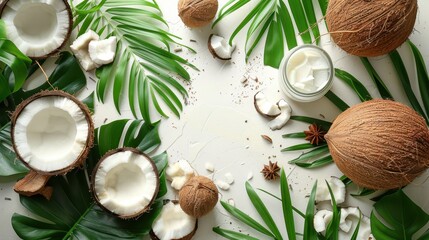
[406,84]
[287,206]
[309,231]
[246,219]
[262,210]
[317,152]
[323,6]
[317,163]
[274,196]
[67,76]
[143,54]
[72,213]
[382,89]
[396,216]
[355,84]
[422,76]
[89,102]
[311,16]
[333,227]
[337,101]
[301,146]
[324,124]
[356,231]
[363,192]
[294,135]
[272,17]
[232,234]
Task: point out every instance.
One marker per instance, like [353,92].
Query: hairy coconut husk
[198,196]
[197,13]
[69,29]
[89,141]
[380,144]
[33,184]
[371,27]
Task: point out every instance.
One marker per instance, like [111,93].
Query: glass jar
[306,73]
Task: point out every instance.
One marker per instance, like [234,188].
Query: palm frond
[143,60]
[273,18]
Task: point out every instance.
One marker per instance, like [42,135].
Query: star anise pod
[270,171]
[315,134]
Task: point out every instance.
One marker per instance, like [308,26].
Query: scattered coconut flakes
[229,178]
[243,79]
[178,49]
[222,185]
[209,166]
[231,202]
[249,176]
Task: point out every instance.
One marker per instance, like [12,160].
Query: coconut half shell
[39,28]
[370,28]
[125,182]
[52,132]
[380,144]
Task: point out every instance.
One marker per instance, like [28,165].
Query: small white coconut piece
[249,176]
[281,120]
[39,28]
[125,182]
[179,173]
[264,106]
[80,49]
[52,132]
[365,229]
[231,202]
[223,185]
[102,51]
[338,189]
[209,166]
[346,213]
[229,178]
[220,48]
[321,220]
[173,223]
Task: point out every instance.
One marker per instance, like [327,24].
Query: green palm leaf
[273,17]
[67,76]
[72,214]
[143,58]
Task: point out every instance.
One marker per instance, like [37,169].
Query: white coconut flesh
[37,27]
[126,183]
[50,133]
[173,223]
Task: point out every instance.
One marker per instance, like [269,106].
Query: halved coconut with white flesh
[52,132]
[39,28]
[173,224]
[125,182]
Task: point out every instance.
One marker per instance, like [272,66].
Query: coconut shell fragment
[34,184]
[380,144]
[372,27]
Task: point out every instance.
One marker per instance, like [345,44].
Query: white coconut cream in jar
[306,73]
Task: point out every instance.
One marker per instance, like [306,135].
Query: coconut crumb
[222,185]
[229,178]
[249,176]
[209,166]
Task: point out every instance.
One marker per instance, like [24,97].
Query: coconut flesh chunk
[173,223]
[51,133]
[125,182]
[37,27]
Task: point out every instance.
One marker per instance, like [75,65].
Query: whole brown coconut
[198,196]
[370,28]
[197,13]
[380,144]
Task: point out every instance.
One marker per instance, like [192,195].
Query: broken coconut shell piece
[220,48]
[125,182]
[264,106]
[52,132]
[173,223]
[39,28]
[34,184]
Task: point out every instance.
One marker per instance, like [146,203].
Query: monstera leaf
[396,216]
[67,76]
[72,213]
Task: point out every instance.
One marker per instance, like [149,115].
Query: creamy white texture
[308,70]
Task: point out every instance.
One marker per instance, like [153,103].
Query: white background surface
[219,124]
